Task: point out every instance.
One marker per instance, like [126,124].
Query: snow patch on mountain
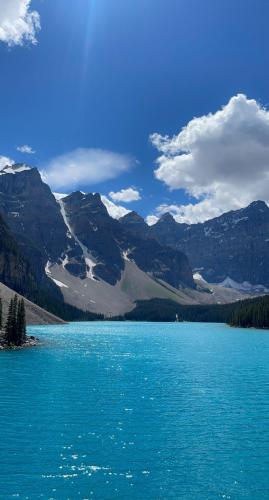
[125,255]
[90,263]
[59,283]
[14,169]
[65,261]
[236,221]
[207,231]
[59,196]
[243,287]
[198,276]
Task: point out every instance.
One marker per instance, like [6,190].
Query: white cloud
[202,211]
[18,23]
[221,159]
[25,148]
[151,220]
[125,195]
[83,167]
[4,161]
[115,211]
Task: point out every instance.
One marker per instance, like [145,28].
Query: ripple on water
[122,410]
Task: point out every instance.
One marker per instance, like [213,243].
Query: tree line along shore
[250,313]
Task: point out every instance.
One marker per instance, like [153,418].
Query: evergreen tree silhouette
[15,327]
[1,314]
[21,322]
[9,323]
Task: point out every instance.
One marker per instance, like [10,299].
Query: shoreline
[30,341]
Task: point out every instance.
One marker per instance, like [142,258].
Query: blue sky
[106,75]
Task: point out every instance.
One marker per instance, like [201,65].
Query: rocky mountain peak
[134,223]
[90,201]
[132,217]
[166,218]
[258,205]
[15,168]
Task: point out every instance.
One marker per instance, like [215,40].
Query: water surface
[136,411]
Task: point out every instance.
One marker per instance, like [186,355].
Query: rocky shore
[30,341]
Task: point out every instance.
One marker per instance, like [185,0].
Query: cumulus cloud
[83,167]
[222,160]
[18,23]
[26,149]
[125,195]
[115,211]
[4,161]
[151,220]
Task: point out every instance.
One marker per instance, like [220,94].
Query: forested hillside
[247,313]
[253,313]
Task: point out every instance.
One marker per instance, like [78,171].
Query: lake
[136,411]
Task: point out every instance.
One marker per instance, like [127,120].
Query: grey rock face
[134,223]
[234,245]
[79,234]
[33,215]
[15,271]
[109,243]
[97,232]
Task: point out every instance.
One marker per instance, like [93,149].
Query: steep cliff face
[164,263]
[135,224]
[15,271]
[35,227]
[31,211]
[95,233]
[77,238]
[232,247]
[106,245]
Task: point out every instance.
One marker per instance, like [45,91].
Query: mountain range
[230,250]
[73,254]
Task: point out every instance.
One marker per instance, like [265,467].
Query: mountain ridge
[76,237]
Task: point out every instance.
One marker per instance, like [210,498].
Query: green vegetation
[53,302]
[249,314]
[155,310]
[166,310]
[15,327]
[246,313]
[55,305]
[1,314]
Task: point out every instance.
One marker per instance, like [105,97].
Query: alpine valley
[72,258]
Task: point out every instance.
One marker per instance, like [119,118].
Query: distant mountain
[78,253]
[73,253]
[105,245]
[232,249]
[134,223]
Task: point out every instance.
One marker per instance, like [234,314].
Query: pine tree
[15,327]
[21,323]
[9,323]
[15,319]
[1,314]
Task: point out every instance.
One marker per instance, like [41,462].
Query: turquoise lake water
[136,411]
